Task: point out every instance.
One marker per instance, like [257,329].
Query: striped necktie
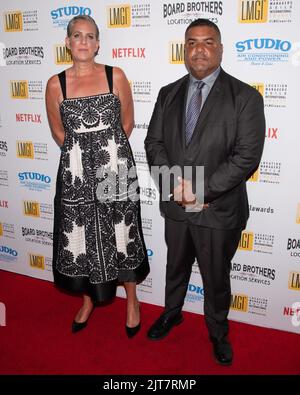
[193,112]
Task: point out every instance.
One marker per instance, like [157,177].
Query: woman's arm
[123,91]
[53,98]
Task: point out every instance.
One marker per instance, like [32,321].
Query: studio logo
[34,181]
[25,150]
[13,21]
[31,208]
[36,261]
[8,254]
[61,16]
[294,281]
[176,52]
[246,241]
[195,293]
[253,11]
[19,89]
[119,16]
[62,55]
[263,51]
[239,302]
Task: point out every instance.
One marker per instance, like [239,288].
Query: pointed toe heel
[132,331]
[78,326]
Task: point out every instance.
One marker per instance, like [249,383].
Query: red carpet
[37,339]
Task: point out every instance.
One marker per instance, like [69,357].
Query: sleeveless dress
[98,240]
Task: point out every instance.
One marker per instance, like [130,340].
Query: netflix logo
[272,133]
[128,53]
[4,203]
[32,118]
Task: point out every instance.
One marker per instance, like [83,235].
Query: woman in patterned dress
[98,241]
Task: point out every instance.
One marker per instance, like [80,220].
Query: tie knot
[200,84]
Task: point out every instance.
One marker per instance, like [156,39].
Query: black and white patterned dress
[98,240]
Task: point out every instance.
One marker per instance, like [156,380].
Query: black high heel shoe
[132,331]
[78,326]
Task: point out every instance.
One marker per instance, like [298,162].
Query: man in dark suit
[227,138]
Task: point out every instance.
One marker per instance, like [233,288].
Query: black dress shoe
[162,326]
[222,351]
[132,331]
[78,326]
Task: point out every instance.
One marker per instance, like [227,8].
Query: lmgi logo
[260,87]
[254,176]
[62,55]
[19,89]
[294,281]
[13,21]
[37,261]
[31,208]
[239,302]
[246,241]
[25,150]
[253,11]
[119,16]
[176,52]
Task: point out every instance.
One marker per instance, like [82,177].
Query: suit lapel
[177,105]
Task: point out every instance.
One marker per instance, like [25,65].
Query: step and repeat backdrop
[145,38]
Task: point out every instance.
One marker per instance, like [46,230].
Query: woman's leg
[85,310]
[133,310]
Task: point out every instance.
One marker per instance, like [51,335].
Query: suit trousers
[213,249]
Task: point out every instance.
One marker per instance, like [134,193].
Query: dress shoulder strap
[109,76]
[62,80]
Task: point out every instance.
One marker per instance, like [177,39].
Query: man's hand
[184,196]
